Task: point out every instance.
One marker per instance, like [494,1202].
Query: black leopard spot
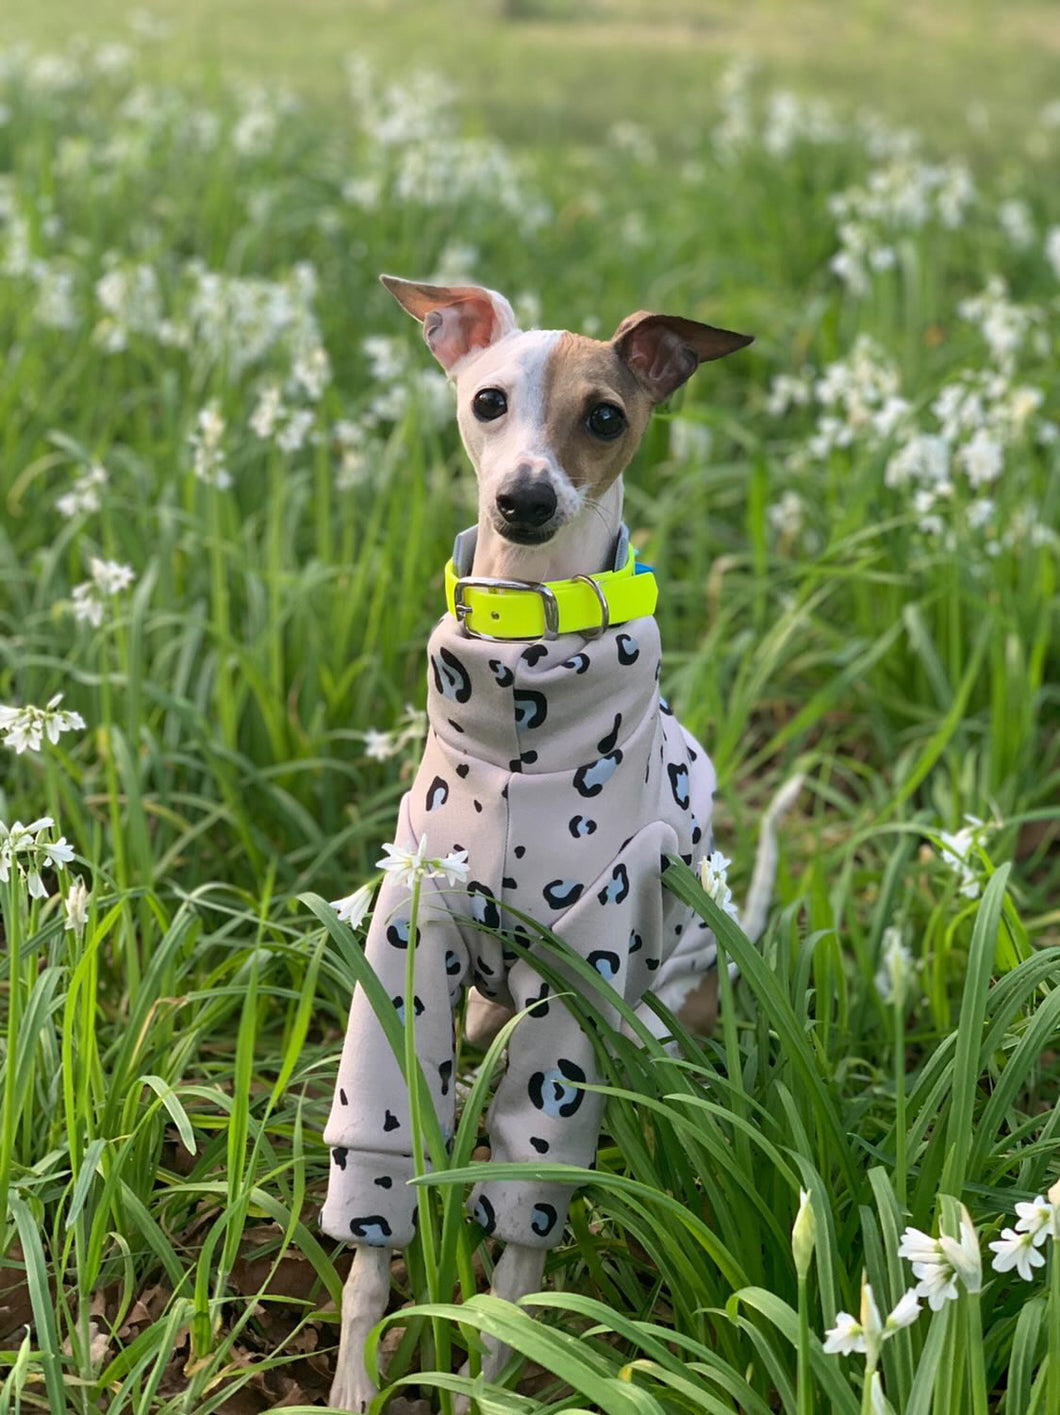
[445,1075]
[636,943]
[697,833]
[541,1146]
[581,825]
[504,675]
[617,887]
[484,905]
[454,724]
[462,770]
[665,708]
[543,1220]
[607,744]
[590,780]
[391,1122]
[532,653]
[678,774]
[509,883]
[451,678]
[687,859]
[552,1092]
[437,794]
[519,851]
[373,1230]
[540,1006]
[342,1097]
[628,649]
[339,1156]
[605,962]
[561,892]
[528,758]
[384,1181]
[483,1213]
[399,1007]
[651,964]
[452,964]
[693,756]
[397,933]
[579,663]
[531,709]
[478,806]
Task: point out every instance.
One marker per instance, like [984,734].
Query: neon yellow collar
[524,609]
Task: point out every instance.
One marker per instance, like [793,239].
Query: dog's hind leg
[519,1271]
[483,1019]
[364,1301]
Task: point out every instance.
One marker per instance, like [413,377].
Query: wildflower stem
[866,1389]
[804,1401]
[900,1162]
[976,1365]
[428,1246]
[1052,1401]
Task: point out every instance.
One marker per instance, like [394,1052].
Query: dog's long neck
[583,547]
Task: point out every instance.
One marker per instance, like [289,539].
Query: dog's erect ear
[664,350]
[457,319]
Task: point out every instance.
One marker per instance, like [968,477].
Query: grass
[167,1068]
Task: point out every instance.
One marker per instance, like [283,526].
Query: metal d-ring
[605,608]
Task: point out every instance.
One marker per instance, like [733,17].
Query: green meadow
[229,481]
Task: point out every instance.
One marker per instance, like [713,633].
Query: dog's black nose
[527,504]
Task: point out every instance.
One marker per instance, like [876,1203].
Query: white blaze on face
[517,365]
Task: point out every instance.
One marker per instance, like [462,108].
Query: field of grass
[229,480]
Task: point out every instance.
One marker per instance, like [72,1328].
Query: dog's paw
[351,1391]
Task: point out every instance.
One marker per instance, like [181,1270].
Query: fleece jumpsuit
[558,768]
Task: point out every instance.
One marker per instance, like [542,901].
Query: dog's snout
[527,503]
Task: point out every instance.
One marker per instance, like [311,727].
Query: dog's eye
[606,421]
[489,403]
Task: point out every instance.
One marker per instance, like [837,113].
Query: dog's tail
[760,895]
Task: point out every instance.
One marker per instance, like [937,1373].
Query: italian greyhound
[554,773]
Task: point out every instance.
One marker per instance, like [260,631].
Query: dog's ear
[457,319]
[662,351]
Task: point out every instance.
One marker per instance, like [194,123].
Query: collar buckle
[463,610]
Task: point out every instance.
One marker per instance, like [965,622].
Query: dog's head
[551,419]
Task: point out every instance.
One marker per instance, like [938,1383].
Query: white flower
[871,1324]
[1014,217]
[803,1234]
[1038,1218]
[938,1262]
[87,605]
[1052,249]
[76,906]
[208,455]
[110,576]
[845,1338]
[786,515]
[981,512]
[454,867]
[896,965]
[355,906]
[24,729]
[982,459]
[963,1253]
[267,414]
[958,850]
[407,866]
[291,437]
[712,876]
[84,495]
[312,370]
[1016,1250]
[379,746]
[905,1313]
[23,851]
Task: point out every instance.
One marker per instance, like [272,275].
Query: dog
[553,771]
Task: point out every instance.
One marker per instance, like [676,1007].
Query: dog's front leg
[518,1272]
[364,1300]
